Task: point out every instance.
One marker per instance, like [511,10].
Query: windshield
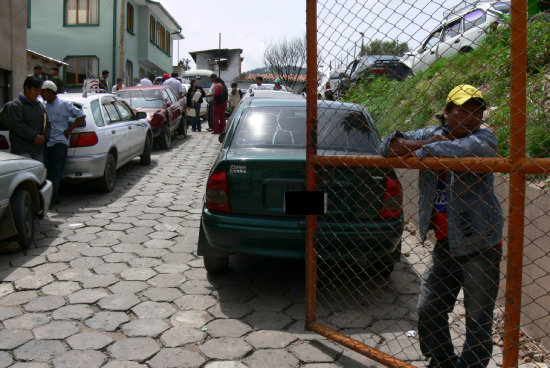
[339,129]
[143,99]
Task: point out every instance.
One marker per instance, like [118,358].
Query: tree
[286,59]
[380,47]
[185,64]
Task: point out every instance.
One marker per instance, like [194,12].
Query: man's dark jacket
[26,121]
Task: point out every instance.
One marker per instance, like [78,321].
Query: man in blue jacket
[463,211]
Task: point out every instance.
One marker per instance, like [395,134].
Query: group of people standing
[41,131]
[217,99]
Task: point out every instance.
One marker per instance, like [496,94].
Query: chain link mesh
[370,254]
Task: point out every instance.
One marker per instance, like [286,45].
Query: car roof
[158,86]
[274,94]
[262,102]
[78,98]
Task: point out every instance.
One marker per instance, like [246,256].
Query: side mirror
[141,115]
[221,137]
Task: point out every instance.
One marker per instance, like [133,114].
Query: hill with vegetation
[413,103]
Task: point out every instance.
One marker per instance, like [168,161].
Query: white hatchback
[112,135]
[461,31]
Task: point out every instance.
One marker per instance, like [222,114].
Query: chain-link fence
[429,128]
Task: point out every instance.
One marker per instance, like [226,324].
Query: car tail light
[327,86]
[392,201]
[217,193]
[4,143]
[85,139]
[378,70]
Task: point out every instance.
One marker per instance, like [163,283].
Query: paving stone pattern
[114,280]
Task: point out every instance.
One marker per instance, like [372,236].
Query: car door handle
[130,127]
[113,131]
[457,41]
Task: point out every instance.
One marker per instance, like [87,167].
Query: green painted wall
[50,37]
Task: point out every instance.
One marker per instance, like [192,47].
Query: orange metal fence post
[311,223]
[514,265]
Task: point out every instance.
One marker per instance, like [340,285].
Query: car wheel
[108,180]
[23,218]
[185,126]
[145,158]
[216,264]
[165,138]
[213,264]
[408,74]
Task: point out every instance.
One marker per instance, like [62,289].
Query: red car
[165,112]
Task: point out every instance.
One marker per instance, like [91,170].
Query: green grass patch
[413,103]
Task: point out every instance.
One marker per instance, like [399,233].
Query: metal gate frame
[517,164]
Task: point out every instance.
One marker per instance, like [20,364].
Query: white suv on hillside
[461,31]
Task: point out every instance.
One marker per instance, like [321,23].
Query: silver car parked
[24,194]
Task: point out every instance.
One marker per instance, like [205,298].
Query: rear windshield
[143,99]
[341,129]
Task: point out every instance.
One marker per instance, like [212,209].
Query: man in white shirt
[210,101]
[145,82]
[259,79]
[175,84]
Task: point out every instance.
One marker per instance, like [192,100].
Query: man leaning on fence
[463,211]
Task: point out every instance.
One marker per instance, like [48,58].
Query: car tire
[145,158]
[408,74]
[216,264]
[165,137]
[23,217]
[108,181]
[213,264]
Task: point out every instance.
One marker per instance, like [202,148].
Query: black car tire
[23,218]
[184,126]
[216,264]
[108,181]
[165,137]
[145,158]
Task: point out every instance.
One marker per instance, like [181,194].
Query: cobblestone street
[113,280]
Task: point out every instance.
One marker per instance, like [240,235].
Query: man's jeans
[54,160]
[478,274]
[196,122]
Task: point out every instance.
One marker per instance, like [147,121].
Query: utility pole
[219,54]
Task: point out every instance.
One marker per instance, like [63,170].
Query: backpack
[221,99]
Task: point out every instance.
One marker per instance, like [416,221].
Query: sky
[252,25]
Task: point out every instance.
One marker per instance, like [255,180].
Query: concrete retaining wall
[535,319]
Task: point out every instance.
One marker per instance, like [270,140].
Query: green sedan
[263,155]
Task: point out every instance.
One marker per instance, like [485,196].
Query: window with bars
[130,17]
[81,12]
[80,68]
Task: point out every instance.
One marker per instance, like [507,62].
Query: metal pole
[311,96]
[219,54]
[514,264]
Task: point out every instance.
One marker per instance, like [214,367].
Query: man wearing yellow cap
[463,211]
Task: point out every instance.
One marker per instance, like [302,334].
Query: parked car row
[461,31]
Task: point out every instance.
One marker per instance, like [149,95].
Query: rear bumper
[45,197]
[279,237]
[85,167]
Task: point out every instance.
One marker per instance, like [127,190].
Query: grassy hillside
[413,103]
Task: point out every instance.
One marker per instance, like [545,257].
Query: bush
[413,103]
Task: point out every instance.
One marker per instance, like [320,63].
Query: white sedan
[111,135]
